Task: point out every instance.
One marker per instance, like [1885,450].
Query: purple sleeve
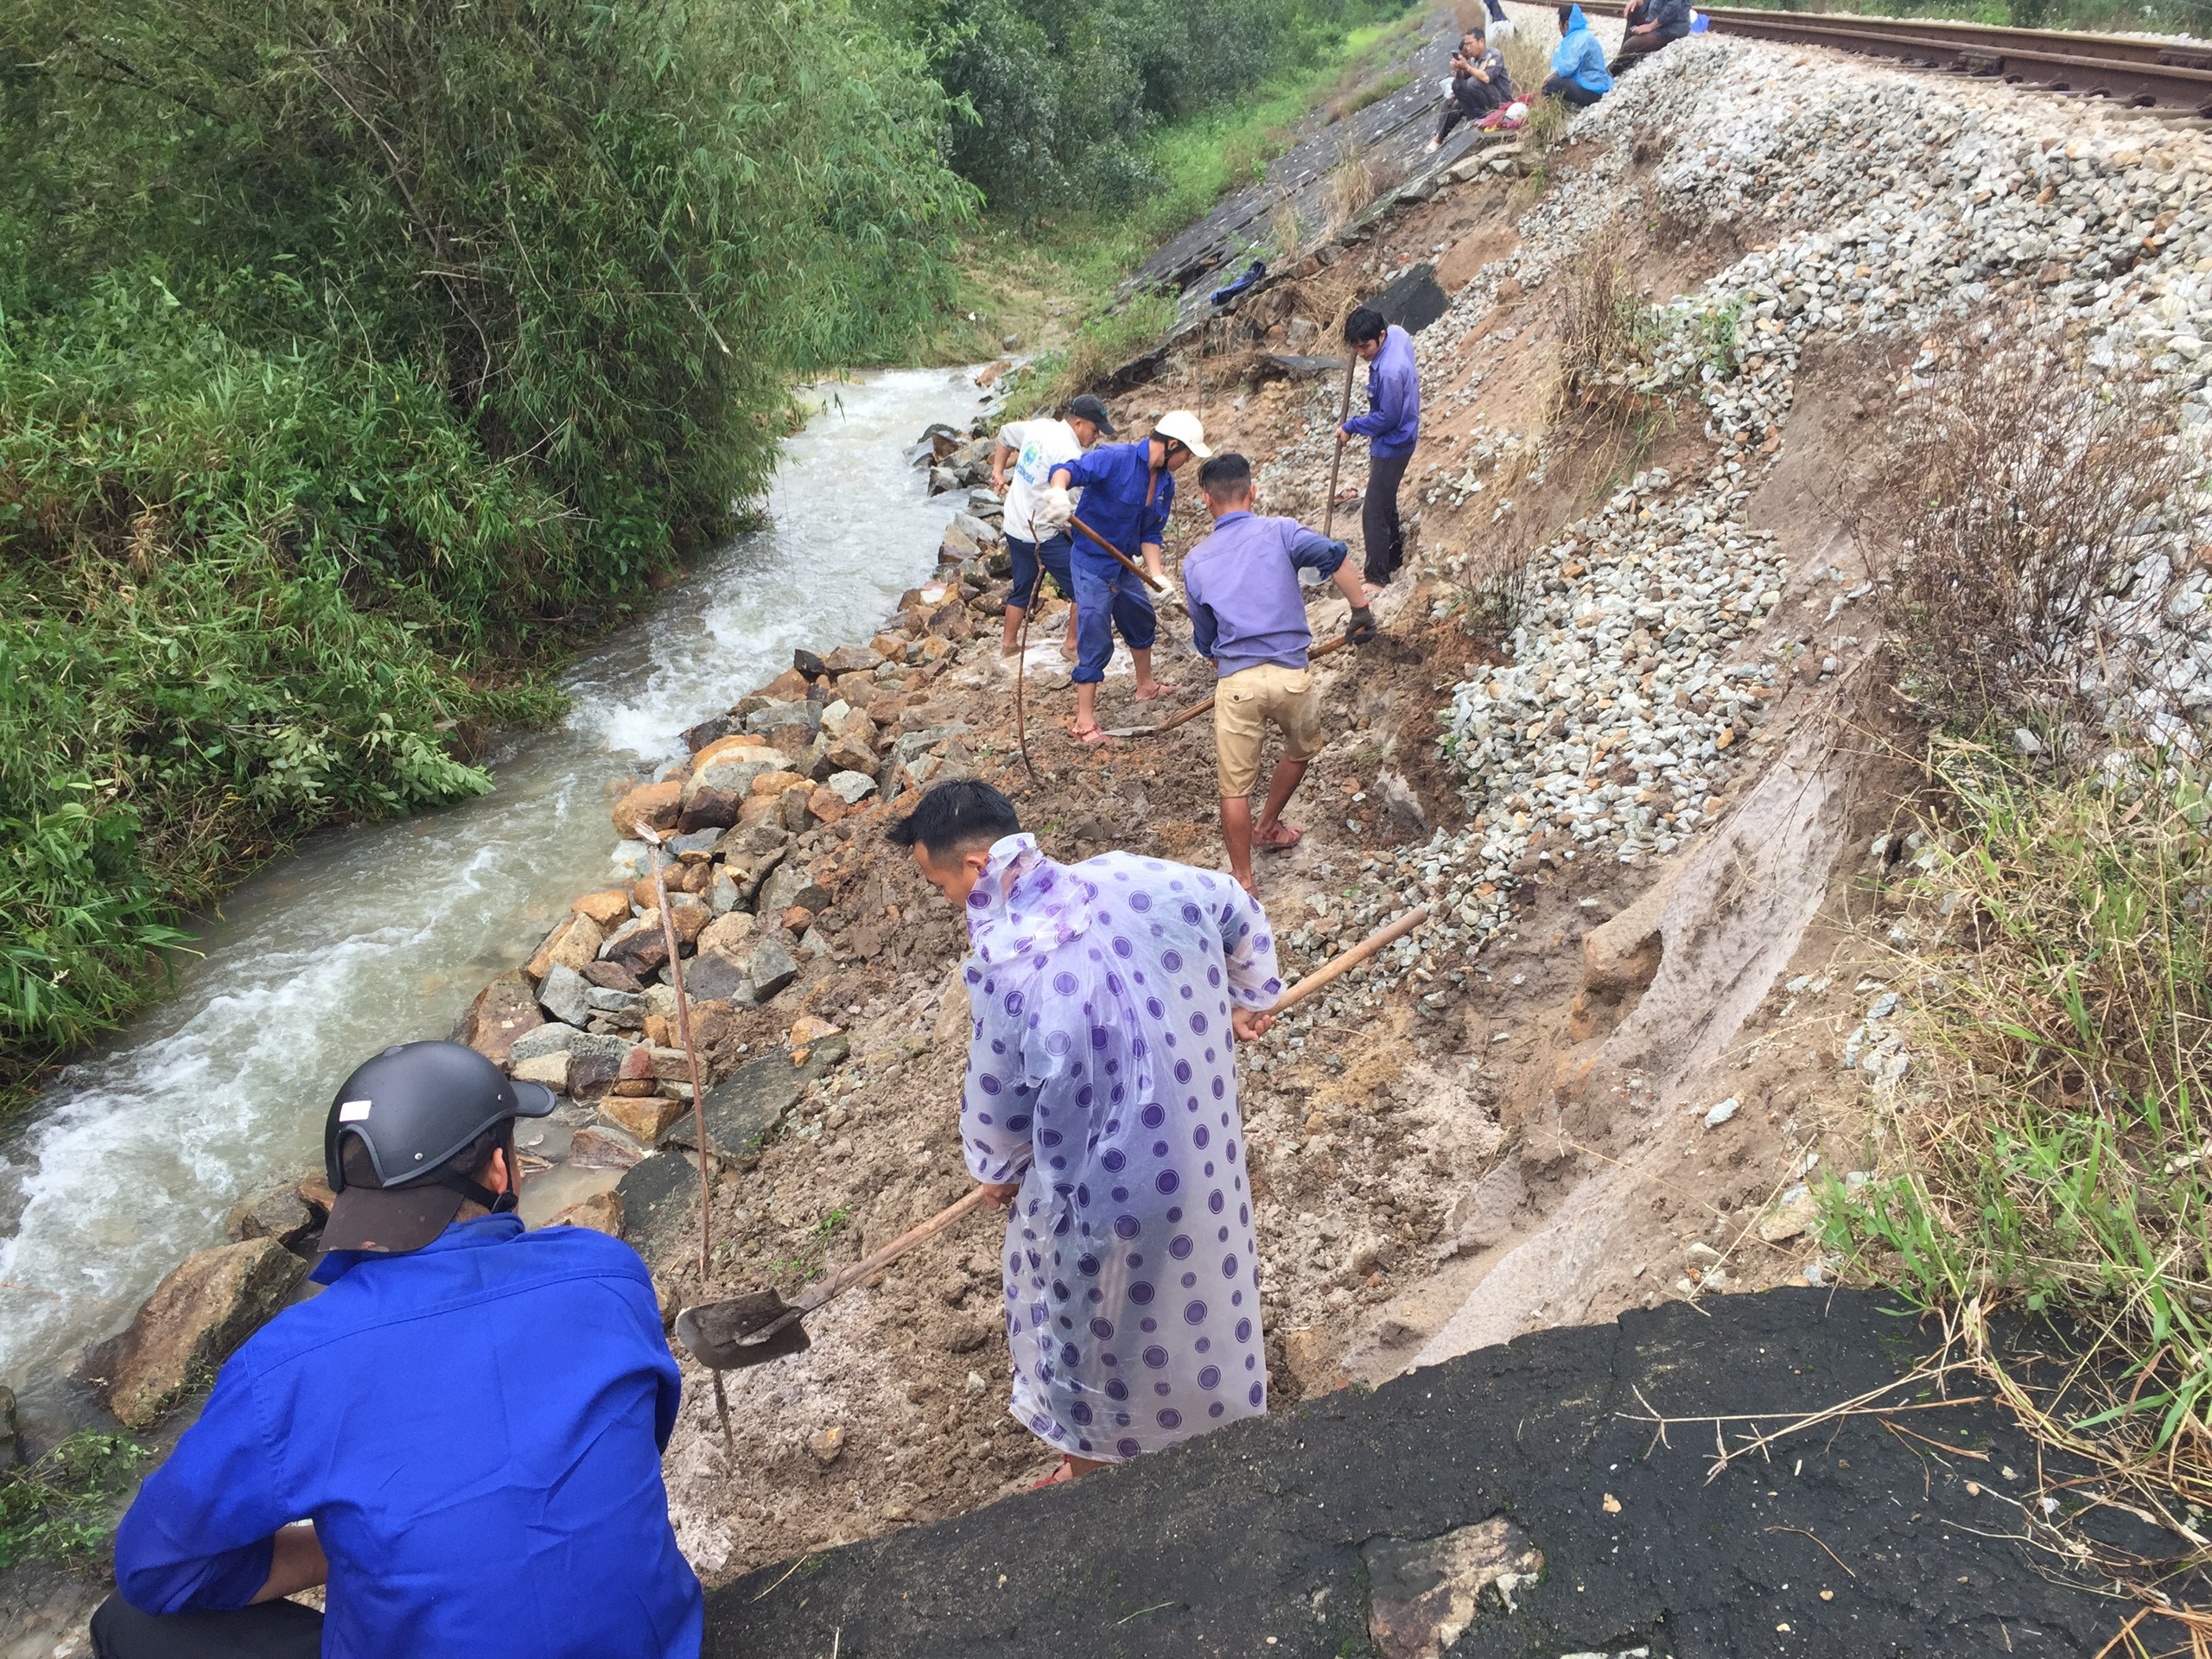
[1248,946]
[996,1107]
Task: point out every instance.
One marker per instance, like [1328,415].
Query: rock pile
[763,831]
[1904,207]
[959,463]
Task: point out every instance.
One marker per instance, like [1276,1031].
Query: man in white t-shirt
[1021,466]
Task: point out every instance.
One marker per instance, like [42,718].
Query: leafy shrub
[1057,100]
[63,1505]
[350,354]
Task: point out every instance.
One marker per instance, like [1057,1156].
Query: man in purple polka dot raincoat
[1107,998]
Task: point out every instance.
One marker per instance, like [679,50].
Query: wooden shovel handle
[1205,703]
[837,1283]
[1349,959]
[1329,513]
[1138,570]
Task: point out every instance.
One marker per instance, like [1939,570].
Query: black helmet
[394,1124]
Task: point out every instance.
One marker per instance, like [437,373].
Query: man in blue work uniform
[1128,490]
[461,1436]
[1391,427]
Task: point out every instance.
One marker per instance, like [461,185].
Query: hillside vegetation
[354,357]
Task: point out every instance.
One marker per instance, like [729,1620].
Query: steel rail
[2144,73]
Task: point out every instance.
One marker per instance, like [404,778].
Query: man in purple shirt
[1391,427]
[1247,613]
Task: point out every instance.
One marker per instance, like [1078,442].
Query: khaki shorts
[1245,705]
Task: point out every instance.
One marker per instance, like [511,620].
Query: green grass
[1013,278]
[62,1507]
[2054,1152]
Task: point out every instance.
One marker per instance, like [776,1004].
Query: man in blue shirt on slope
[1128,492]
[461,1436]
[1249,615]
[1392,428]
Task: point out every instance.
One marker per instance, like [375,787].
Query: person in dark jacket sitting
[1479,84]
[1649,25]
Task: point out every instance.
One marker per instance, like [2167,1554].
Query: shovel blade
[721,1334]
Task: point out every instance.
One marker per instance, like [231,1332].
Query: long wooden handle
[1329,515]
[1140,573]
[837,1283]
[1349,959]
[1205,703]
[652,840]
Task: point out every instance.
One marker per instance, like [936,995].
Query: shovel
[1205,703]
[762,1325]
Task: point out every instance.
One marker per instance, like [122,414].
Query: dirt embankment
[1622,735]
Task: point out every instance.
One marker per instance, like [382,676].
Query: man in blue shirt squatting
[1392,428]
[1106,1000]
[1248,614]
[461,1436]
[1127,490]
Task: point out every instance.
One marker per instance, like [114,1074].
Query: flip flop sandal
[1096,736]
[1297,835]
[1159,689]
[1059,1476]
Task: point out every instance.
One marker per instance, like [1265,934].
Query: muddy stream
[381,933]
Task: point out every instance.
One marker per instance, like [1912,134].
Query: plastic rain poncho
[1101,1075]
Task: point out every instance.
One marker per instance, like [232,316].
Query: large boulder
[566,994]
[609,909]
[851,659]
[279,1213]
[729,936]
[503,1011]
[770,968]
[195,1320]
[720,783]
[657,804]
[575,940]
[790,885]
[660,1207]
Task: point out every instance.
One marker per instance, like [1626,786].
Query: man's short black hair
[1225,477]
[1566,16]
[1364,324]
[956,818]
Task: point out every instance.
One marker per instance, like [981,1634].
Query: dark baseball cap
[1088,408]
[393,1126]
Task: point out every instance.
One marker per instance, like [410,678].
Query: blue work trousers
[1108,595]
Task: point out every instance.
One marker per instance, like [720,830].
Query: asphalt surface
[1901,1533]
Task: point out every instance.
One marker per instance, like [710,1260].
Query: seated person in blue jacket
[1247,613]
[1128,492]
[1578,72]
[1647,26]
[459,1438]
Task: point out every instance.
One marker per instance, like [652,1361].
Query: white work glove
[1054,508]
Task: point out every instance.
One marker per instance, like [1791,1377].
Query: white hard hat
[1183,426]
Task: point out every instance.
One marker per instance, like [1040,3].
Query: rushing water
[383,933]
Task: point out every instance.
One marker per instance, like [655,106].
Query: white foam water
[383,932]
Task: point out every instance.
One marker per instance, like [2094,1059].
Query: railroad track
[2142,73]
